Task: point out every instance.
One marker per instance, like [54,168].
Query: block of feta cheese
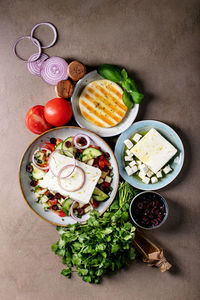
[159,174]
[128,152]
[150,173]
[144,168]
[129,170]
[128,144]
[167,169]
[137,137]
[142,175]
[132,163]
[128,158]
[154,150]
[154,179]
[134,169]
[146,180]
[108,179]
[82,195]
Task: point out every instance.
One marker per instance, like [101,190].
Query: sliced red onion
[54,69]
[33,159]
[81,183]
[36,42]
[70,154]
[33,65]
[54,31]
[72,213]
[78,136]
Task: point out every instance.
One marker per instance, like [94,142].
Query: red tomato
[58,111]
[61,213]
[35,120]
[53,202]
[50,146]
[95,203]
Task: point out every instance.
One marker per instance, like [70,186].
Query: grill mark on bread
[96,113]
[91,119]
[102,107]
[109,95]
[107,102]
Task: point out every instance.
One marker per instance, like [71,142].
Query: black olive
[33,183]
[54,207]
[50,196]
[53,140]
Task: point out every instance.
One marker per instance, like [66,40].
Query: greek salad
[70,177]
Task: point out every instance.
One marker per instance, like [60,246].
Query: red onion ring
[72,156]
[78,136]
[33,159]
[37,43]
[81,183]
[72,213]
[54,69]
[33,65]
[54,31]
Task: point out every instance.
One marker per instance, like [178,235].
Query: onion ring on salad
[80,220]
[81,184]
[70,155]
[33,159]
[79,136]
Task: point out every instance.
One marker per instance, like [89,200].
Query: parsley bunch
[101,246]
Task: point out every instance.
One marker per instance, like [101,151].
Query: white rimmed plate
[24,181]
[168,133]
[105,132]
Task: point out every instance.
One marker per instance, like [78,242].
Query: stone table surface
[157,41]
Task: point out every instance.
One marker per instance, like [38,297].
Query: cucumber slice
[99,195]
[70,149]
[59,146]
[90,153]
[37,173]
[66,205]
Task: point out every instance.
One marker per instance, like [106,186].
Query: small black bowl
[148,210]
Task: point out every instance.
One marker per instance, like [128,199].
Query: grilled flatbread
[101,103]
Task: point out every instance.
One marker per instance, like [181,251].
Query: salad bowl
[169,134]
[24,181]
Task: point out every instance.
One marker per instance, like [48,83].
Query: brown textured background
[158,42]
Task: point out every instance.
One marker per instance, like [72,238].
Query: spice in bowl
[148,210]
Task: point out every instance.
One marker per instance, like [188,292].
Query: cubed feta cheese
[128,144]
[100,180]
[150,173]
[90,162]
[129,171]
[167,169]
[159,174]
[128,158]
[133,163]
[142,175]
[144,168]
[134,169]
[154,179]
[128,152]
[146,180]
[108,179]
[136,137]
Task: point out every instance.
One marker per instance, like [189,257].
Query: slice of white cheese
[84,194]
[154,150]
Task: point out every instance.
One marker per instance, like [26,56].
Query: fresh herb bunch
[102,245]
[131,94]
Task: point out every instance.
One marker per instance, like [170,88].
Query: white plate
[105,132]
[63,133]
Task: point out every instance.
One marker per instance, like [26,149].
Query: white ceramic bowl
[62,132]
[105,132]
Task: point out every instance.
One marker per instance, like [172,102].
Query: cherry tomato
[50,146]
[35,120]
[58,111]
[60,213]
[95,203]
[53,202]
